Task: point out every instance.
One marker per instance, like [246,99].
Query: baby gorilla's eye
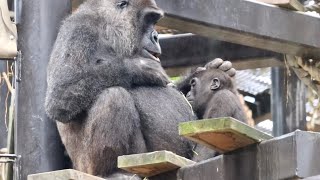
[193,82]
[122,4]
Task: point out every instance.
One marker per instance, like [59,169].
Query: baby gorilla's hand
[225,66]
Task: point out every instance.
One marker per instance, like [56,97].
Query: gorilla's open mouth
[151,55]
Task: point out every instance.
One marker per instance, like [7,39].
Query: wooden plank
[154,163]
[205,170]
[222,134]
[291,156]
[313,178]
[198,50]
[238,165]
[66,174]
[289,4]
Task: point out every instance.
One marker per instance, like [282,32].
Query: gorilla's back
[160,110]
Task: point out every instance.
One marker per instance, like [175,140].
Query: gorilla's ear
[215,84]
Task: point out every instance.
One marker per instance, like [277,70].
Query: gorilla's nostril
[154,36]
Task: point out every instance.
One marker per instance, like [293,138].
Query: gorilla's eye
[193,82]
[99,61]
[122,4]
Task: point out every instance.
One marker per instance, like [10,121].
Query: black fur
[219,101]
[108,95]
[212,94]
[103,91]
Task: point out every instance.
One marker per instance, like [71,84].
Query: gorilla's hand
[225,66]
[146,72]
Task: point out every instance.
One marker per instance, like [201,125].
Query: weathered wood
[222,134]
[67,174]
[289,4]
[239,165]
[294,155]
[249,23]
[291,156]
[313,178]
[198,50]
[154,163]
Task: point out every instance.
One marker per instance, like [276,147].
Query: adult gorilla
[107,89]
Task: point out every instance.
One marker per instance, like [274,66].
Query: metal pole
[37,139]
[278,106]
[3,103]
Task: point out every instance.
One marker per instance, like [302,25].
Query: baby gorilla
[213,94]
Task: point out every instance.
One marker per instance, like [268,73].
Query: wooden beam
[151,164]
[237,165]
[291,156]
[191,50]
[313,178]
[248,23]
[222,134]
[289,4]
[63,175]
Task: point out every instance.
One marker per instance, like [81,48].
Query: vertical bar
[288,101]
[296,104]
[278,94]
[37,139]
[3,103]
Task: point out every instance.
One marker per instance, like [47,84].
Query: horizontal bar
[190,50]
[8,156]
[246,22]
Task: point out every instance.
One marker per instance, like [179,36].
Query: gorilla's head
[204,85]
[129,24]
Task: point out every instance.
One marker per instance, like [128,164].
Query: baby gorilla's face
[203,86]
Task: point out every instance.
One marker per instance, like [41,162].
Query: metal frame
[246,22]
[188,50]
[14,159]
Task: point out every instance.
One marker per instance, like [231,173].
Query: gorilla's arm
[70,87]
[148,72]
[80,68]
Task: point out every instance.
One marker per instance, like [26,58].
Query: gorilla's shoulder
[79,29]
[82,19]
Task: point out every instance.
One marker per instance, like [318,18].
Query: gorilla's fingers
[200,69]
[214,63]
[226,65]
[231,72]
[171,85]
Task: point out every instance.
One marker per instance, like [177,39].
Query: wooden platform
[289,4]
[67,174]
[154,163]
[222,134]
